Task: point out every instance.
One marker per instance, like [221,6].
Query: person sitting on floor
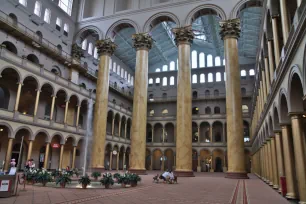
[164,176]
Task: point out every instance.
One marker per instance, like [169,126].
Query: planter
[133,184]
[123,185]
[30,182]
[63,185]
[84,186]
[44,183]
[107,186]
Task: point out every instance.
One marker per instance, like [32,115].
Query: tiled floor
[210,188]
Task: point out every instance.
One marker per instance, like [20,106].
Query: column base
[184,173]
[270,184]
[236,175]
[198,169]
[291,196]
[302,202]
[97,169]
[138,171]
[275,186]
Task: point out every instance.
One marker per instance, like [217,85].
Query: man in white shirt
[164,175]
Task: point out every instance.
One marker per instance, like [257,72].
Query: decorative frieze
[230,28]
[142,40]
[183,34]
[106,47]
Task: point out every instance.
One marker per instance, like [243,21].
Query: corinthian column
[183,38]
[105,49]
[142,44]
[230,32]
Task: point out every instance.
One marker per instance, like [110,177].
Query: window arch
[90,48]
[210,77]
[216,92]
[58,23]
[47,16]
[84,44]
[164,95]
[56,70]
[125,74]
[165,68]
[202,78]
[172,66]
[150,81]
[202,59]
[245,109]
[207,110]
[209,61]
[114,67]
[165,112]
[172,80]
[157,70]
[252,72]
[194,79]
[217,61]
[37,8]
[118,69]
[218,76]
[207,93]
[165,81]
[194,59]
[157,80]
[243,73]
[217,110]
[13,18]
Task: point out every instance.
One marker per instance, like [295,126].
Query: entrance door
[218,165]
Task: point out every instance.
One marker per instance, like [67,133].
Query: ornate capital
[76,51]
[183,35]
[142,40]
[106,47]
[230,28]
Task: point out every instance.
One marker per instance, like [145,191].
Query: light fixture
[24,113]
[1,130]
[197,108]
[304,116]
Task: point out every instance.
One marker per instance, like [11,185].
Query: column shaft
[264,84]
[270,163]
[46,159]
[18,96]
[61,157]
[163,163]
[300,160]
[280,161]
[8,154]
[52,108]
[123,160]
[111,160]
[118,161]
[274,164]
[267,75]
[284,17]
[30,147]
[73,157]
[276,42]
[78,116]
[66,112]
[113,126]
[289,162]
[36,102]
[271,61]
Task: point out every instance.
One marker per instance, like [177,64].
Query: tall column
[183,38]
[118,153]
[52,107]
[119,132]
[211,134]
[199,163]
[274,164]
[142,44]
[284,17]
[199,135]
[289,162]
[18,96]
[125,129]
[280,161]
[270,162]
[36,102]
[123,160]
[30,147]
[299,3]
[271,61]
[46,160]
[78,116]
[275,41]
[267,75]
[113,126]
[110,160]
[8,154]
[61,157]
[105,49]
[151,162]
[66,112]
[163,163]
[163,135]
[230,32]
[73,157]
[300,160]
[264,84]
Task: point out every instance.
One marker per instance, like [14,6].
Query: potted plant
[30,175]
[107,180]
[134,178]
[76,172]
[95,175]
[124,180]
[55,173]
[116,177]
[63,179]
[84,180]
[43,177]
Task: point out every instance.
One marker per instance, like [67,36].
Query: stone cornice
[183,35]
[230,28]
[142,41]
[106,47]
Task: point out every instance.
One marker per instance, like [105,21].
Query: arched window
[172,66]
[59,49]
[217,110]
[224,76]
[39,36]
[125,74]
[58,23]
[251,72]
[207,110]
[110,64]
[96,53]
[202,59]
[209,61]
[207,93]
[194,79]
[56,70]
[122,73]
[217,61]
[202,78]
[90,47]
[194,59]
[118,69]
[66,29]
[114,67]
[84,44]
[129,78]
[165,112]
[245,109]
[4,97]
[165,81]
[157,80]
[172,80]
[132,80]
[47,16]
[224,62]
[218,76]
[210,77]
[216,92]
[150,81]
[10,47]
[157,70]
[165,68]
[37,8]
[243,73]
[23,2]
[13,18]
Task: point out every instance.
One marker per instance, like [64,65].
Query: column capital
[296,115]
[106,47]
[142,41]
[183,35]
[230,28]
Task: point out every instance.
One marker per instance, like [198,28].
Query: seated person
[164,175]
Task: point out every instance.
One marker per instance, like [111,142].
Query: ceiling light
[1,130]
